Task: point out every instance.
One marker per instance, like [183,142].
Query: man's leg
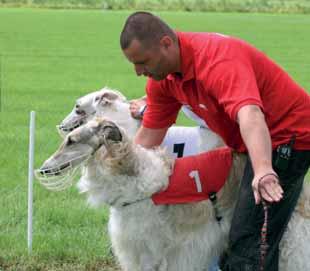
[245,239]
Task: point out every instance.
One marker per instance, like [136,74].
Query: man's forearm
[149,138]
[256,137]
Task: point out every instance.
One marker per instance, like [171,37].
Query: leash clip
[213,199]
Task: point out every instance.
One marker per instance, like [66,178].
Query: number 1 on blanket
[195,174]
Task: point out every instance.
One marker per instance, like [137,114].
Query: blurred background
[287,6]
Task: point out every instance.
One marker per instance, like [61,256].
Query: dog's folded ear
[110,131]
[105,98]
[113,133]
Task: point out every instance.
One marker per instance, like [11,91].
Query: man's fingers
[271,190]
[267,188]
[277,191]
[255,191]
[257,197]
[133,106]
[266,196]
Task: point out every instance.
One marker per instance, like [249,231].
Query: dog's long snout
[64,128]
[48,170]
[70,126]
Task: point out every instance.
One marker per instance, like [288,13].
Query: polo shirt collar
[187,63]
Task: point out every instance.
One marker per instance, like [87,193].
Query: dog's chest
[138,223]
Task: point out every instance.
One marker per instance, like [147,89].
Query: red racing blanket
[195,177]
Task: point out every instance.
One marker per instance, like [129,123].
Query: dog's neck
[127,173]
[120,159]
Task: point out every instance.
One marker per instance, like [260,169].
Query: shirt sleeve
[234,85]
[162,109]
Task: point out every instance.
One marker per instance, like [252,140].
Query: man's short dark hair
[146,28]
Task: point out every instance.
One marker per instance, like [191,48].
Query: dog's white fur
[113,105]
[181,237]
[184,237]
[177,237]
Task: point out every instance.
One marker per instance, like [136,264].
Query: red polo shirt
[220,74]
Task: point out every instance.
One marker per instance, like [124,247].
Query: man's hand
[255,134]
[135,107]
[267,187]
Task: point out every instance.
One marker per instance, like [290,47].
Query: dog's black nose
[44,170]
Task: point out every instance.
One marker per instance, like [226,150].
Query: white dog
[146,237]
[180,141]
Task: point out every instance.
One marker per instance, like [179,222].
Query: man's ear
[105,98]
[166,41]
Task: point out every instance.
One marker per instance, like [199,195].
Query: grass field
[47,60]
[272,6]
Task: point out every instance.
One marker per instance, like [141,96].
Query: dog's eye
[79,111]
[70,141]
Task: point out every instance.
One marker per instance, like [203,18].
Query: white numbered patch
[195,174]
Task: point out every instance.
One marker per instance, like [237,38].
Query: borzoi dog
[180,140]
[149,237]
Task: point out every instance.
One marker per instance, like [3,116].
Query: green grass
[273,6]
[47,60]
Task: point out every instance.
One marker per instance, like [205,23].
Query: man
[244,97]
